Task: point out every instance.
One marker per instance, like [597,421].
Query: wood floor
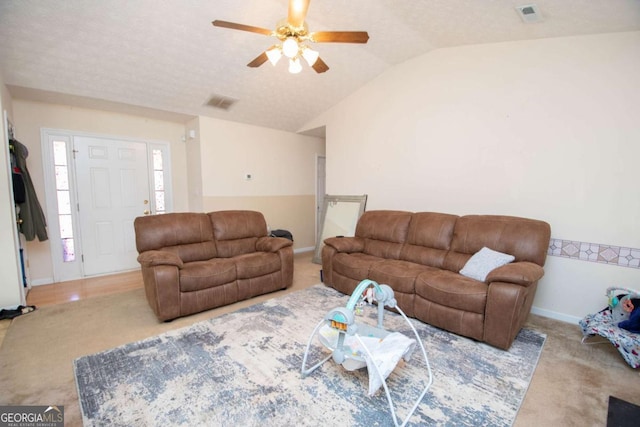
[305,272]
[74,290]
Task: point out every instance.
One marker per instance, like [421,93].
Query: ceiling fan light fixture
[292,32]
[274,54]
[310,55]
[290,47]
[294,66]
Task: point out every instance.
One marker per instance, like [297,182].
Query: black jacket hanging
[19,190]
[34,222]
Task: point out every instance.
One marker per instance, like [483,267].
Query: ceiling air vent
[529,13]
[221,102]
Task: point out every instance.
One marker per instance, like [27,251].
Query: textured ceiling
[163,58]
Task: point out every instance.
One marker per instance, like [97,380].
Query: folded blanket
[385,353]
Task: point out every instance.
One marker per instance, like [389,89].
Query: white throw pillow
[483,261]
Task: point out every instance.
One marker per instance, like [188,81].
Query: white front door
[113,189]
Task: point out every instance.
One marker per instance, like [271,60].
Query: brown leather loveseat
[193,262]
[420,256]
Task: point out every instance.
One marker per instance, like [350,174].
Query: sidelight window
[158,181]
[63,195]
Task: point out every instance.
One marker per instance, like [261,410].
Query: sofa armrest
[272,244]
[345,244]
[162,289]
[520,273]
[153,258]
[512,289]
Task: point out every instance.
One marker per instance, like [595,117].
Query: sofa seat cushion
[256,264]
[453,290]
[400,275]
[198,275]
[354,266]
[457,321]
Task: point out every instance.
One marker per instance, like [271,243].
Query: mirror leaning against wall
[340,216]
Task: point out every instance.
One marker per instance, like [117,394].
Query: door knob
[146,212]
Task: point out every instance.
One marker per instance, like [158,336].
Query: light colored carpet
[37,353]
[243,368]
[571,385]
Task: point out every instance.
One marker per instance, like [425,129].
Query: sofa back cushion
[428,238]
[187,234]
[236,232]
[384,232]
[526,239]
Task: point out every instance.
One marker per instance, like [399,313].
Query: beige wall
[10,295]
[207,172]
[545,129]
[31,117]
[194,166]
[293,213]
[283,170]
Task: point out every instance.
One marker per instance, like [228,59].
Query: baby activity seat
[619,322]
[355,345]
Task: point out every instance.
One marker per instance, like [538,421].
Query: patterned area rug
[243,368]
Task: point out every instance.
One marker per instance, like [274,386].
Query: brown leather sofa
[193,262]
[420,256]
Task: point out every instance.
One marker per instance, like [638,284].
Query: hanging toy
[621,304]
[359,309]
[613,301]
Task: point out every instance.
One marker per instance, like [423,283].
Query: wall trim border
[595,252]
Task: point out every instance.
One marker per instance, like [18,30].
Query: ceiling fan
[293,34]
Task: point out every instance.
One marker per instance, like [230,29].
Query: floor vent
[221,102]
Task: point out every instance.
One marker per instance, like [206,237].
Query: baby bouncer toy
[355,345]
[619,322]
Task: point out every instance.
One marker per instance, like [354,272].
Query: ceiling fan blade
[241,27]
[297,12]
[259,60]
[340,36]
[320,66]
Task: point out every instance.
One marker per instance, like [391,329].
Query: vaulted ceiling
[164,59]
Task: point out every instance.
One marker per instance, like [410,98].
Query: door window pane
[157,160]
[64,203]
[159,201]
[59,152]
[62,178]
[158,178]
[66,230]
[68,251]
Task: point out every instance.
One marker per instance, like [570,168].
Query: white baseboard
[555,315]
[301,250]
[40,282]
